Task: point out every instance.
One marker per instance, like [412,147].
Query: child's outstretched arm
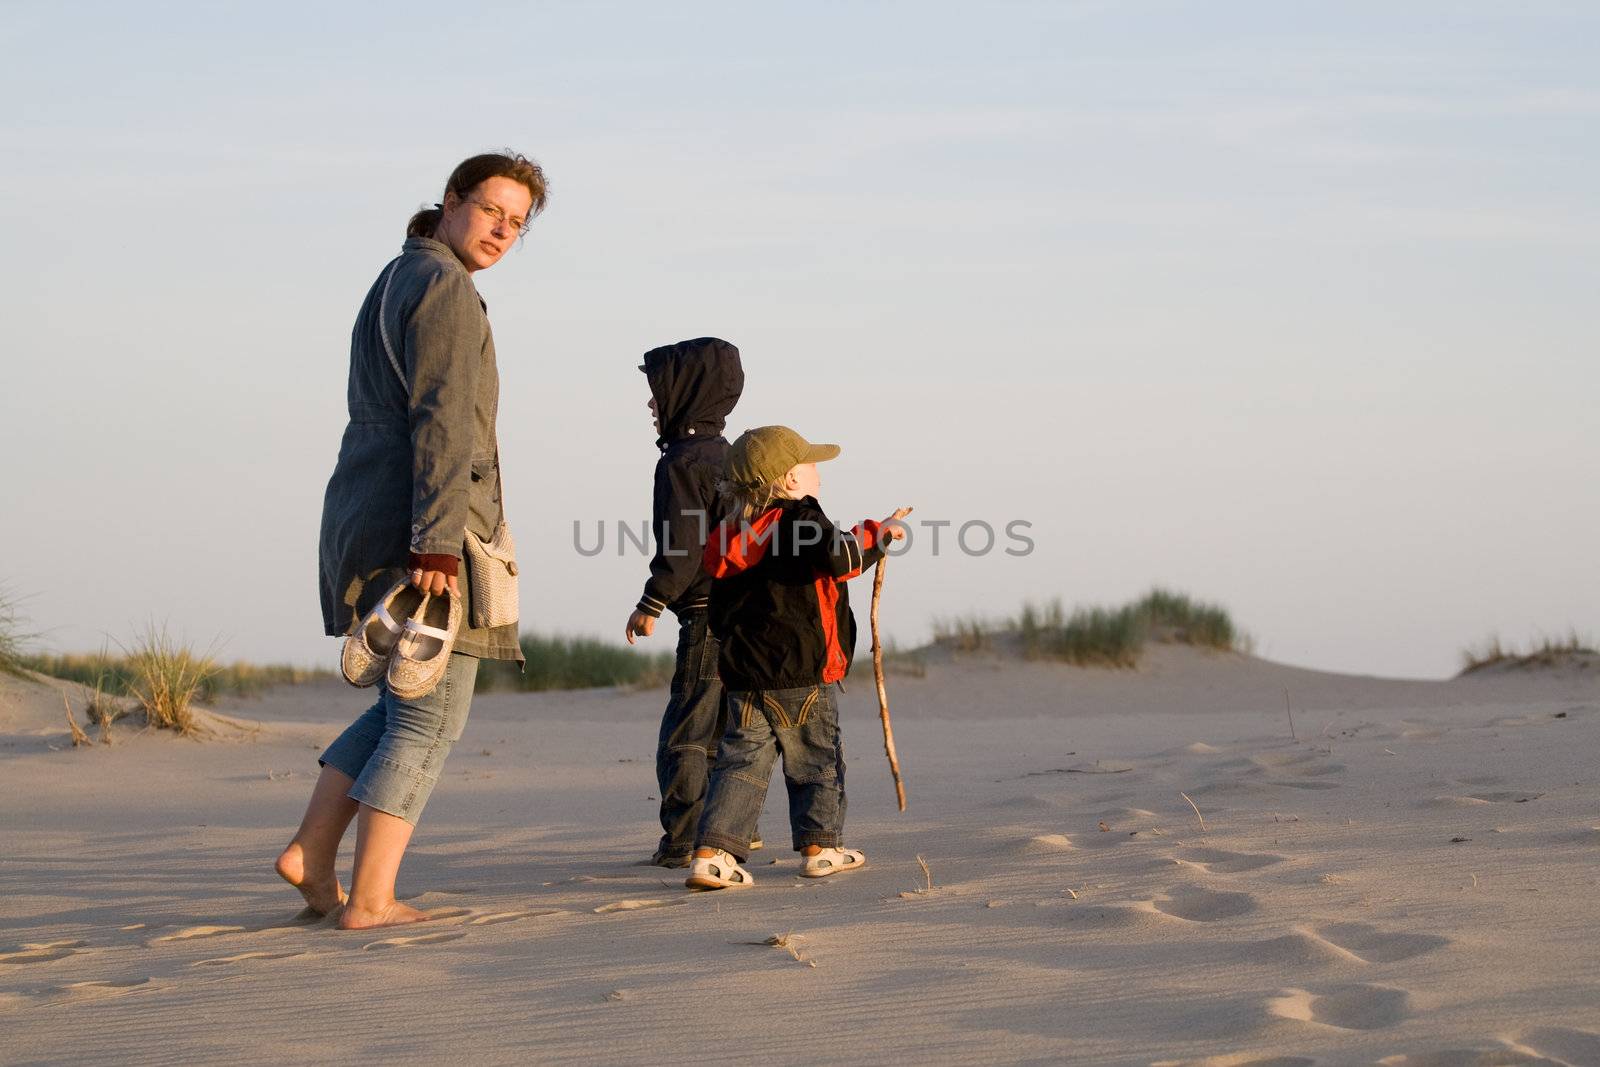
[846,553]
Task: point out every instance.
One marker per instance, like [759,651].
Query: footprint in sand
[418,939]
[1112,838]
[1372,945]
[453,916]
[1420,730]
[244,957]
[1204,905]
[636,905]
[72,991]
[1118,826]
[1219,861]
[1451,801]
[42,952]
[1473,800]
[1300,764]
[495,918]
[1468,1057]
[1561,1043]
[1588,835]
[192,932]
[1047,844]
[1240,1059]
[98,990]
[1351,1007]
[1115,916]
[1519,720]
[1301,949]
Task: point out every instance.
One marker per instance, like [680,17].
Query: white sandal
[833,861]
[720,871]
[367,649]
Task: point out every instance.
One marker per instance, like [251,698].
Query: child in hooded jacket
[780,609]
[693,386]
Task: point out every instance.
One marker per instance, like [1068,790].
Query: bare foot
[392,914]
[322,891]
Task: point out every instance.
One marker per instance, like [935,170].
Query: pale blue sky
[1285,305]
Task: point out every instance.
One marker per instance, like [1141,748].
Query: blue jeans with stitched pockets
[395,749]
[800,724]
[694,721]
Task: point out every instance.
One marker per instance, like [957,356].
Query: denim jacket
[417,466]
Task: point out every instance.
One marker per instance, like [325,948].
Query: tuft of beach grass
[1102,636]
[14,639]
[1548,652]
[165,676]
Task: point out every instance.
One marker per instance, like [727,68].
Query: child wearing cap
[781,611]
[693,387]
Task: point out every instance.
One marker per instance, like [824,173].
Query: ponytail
[424,222]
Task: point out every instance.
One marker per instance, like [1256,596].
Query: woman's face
[482,226]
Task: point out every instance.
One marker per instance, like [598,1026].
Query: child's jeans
[695,718]
[801,724]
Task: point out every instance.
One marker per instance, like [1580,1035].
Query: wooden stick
[1197,814]
[883,694]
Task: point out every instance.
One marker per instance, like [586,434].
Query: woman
[417,468]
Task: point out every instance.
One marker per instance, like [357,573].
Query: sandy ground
[1413,879]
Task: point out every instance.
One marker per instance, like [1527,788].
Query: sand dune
[1410,879]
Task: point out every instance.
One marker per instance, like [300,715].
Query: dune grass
[113,674]
[165,676]
[1102,636]
[559,662]
[1109,637]
[1548,652]
[159,675]
[968,633]
[14,640]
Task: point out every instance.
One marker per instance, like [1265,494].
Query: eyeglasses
[498,215]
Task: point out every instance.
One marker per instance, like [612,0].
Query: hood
[735,547]
[695,385]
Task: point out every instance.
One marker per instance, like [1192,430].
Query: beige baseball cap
[763,455]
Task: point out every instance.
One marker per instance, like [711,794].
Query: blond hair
[743,501]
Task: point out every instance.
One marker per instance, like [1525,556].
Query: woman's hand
[640,624]
[435,582]
[892,527]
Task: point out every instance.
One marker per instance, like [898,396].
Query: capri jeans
[396,748]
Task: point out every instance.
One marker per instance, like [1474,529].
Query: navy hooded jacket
[695,384]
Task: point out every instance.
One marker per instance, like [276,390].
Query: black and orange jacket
[778,600]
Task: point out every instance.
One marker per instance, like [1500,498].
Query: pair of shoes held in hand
[722,871]
[407,639]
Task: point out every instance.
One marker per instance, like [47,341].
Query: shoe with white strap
[718,871]
[832,861]
[367,649]
[423,652]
